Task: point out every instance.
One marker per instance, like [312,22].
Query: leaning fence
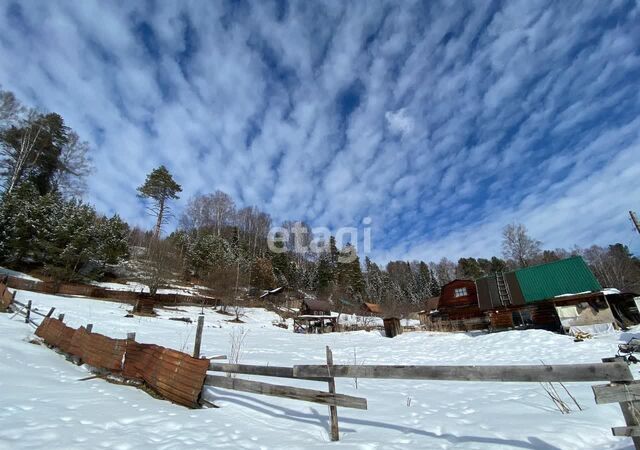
[171,374]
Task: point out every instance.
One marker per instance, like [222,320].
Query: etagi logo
[302,239]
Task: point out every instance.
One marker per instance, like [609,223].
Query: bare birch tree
[518,246]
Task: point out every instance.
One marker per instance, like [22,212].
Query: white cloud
[399,121]
[528,118]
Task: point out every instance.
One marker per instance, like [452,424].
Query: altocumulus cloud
[441,122]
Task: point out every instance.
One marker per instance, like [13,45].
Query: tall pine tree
[160,187]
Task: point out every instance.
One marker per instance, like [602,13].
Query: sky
[440,121]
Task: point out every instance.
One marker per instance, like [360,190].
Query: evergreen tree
[469,268]
[112,236]
[159,187]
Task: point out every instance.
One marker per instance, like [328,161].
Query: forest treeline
[44,226]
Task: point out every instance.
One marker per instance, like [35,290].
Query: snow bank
[13,273]
[42,403]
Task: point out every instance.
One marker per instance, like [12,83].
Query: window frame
[460,292]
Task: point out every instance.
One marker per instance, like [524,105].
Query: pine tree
[159,187]
[112,239]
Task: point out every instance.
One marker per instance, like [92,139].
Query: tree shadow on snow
[321,420]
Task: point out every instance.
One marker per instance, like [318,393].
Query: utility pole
[634,219]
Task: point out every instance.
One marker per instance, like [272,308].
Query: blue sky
[441,122]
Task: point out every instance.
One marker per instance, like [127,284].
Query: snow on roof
[272,292]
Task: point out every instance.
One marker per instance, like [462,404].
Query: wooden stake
[333,410]
[61,317]
[630,410]
[27,315]
[50,313]
[89,327]
[131,336]
[196,347]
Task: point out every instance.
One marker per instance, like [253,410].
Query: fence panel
[173,374]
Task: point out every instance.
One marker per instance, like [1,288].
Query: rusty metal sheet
[103,352]
[75,347]
[55,333]
[5,297]
[175,375]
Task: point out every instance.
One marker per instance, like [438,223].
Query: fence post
[628,408]
[13,296]
[333,410]
[61,317]
[89,327]
[50,313]
[131,336]
[196,347]
[27,314]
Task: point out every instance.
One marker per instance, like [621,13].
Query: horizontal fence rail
[266,371]
[295,393]
[613,371]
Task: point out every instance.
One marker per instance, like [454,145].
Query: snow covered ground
[135,286]
[13,273]
[43,403]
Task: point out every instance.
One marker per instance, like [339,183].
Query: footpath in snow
[44,405]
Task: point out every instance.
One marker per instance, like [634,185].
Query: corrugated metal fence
[172,374]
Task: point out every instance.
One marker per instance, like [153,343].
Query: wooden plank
[35,311]
[266,371]
[616,393]
[628,408]
[525,373]
[308,395]
[50,312]
[333,410]
[27,316]
[196,347]
[626,431]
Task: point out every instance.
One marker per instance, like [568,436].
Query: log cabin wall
[459,300]
[540,315]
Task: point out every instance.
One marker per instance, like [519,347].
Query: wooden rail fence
[332,399]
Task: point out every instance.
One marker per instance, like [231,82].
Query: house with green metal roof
[532,296]
[536,283]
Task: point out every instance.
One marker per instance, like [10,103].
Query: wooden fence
[330,398]
[130,297]
[622,388]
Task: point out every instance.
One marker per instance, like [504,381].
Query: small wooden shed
[315,317]
[392,327]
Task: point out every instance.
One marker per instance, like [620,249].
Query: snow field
[42,403]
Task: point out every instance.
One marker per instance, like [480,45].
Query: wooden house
[315,317]
[528,297]
[459,301]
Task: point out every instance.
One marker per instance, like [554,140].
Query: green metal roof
[567,276]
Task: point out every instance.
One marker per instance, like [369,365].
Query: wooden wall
[459,308]
[543,315]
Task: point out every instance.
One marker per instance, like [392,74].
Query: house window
[460,292]
[521,318]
